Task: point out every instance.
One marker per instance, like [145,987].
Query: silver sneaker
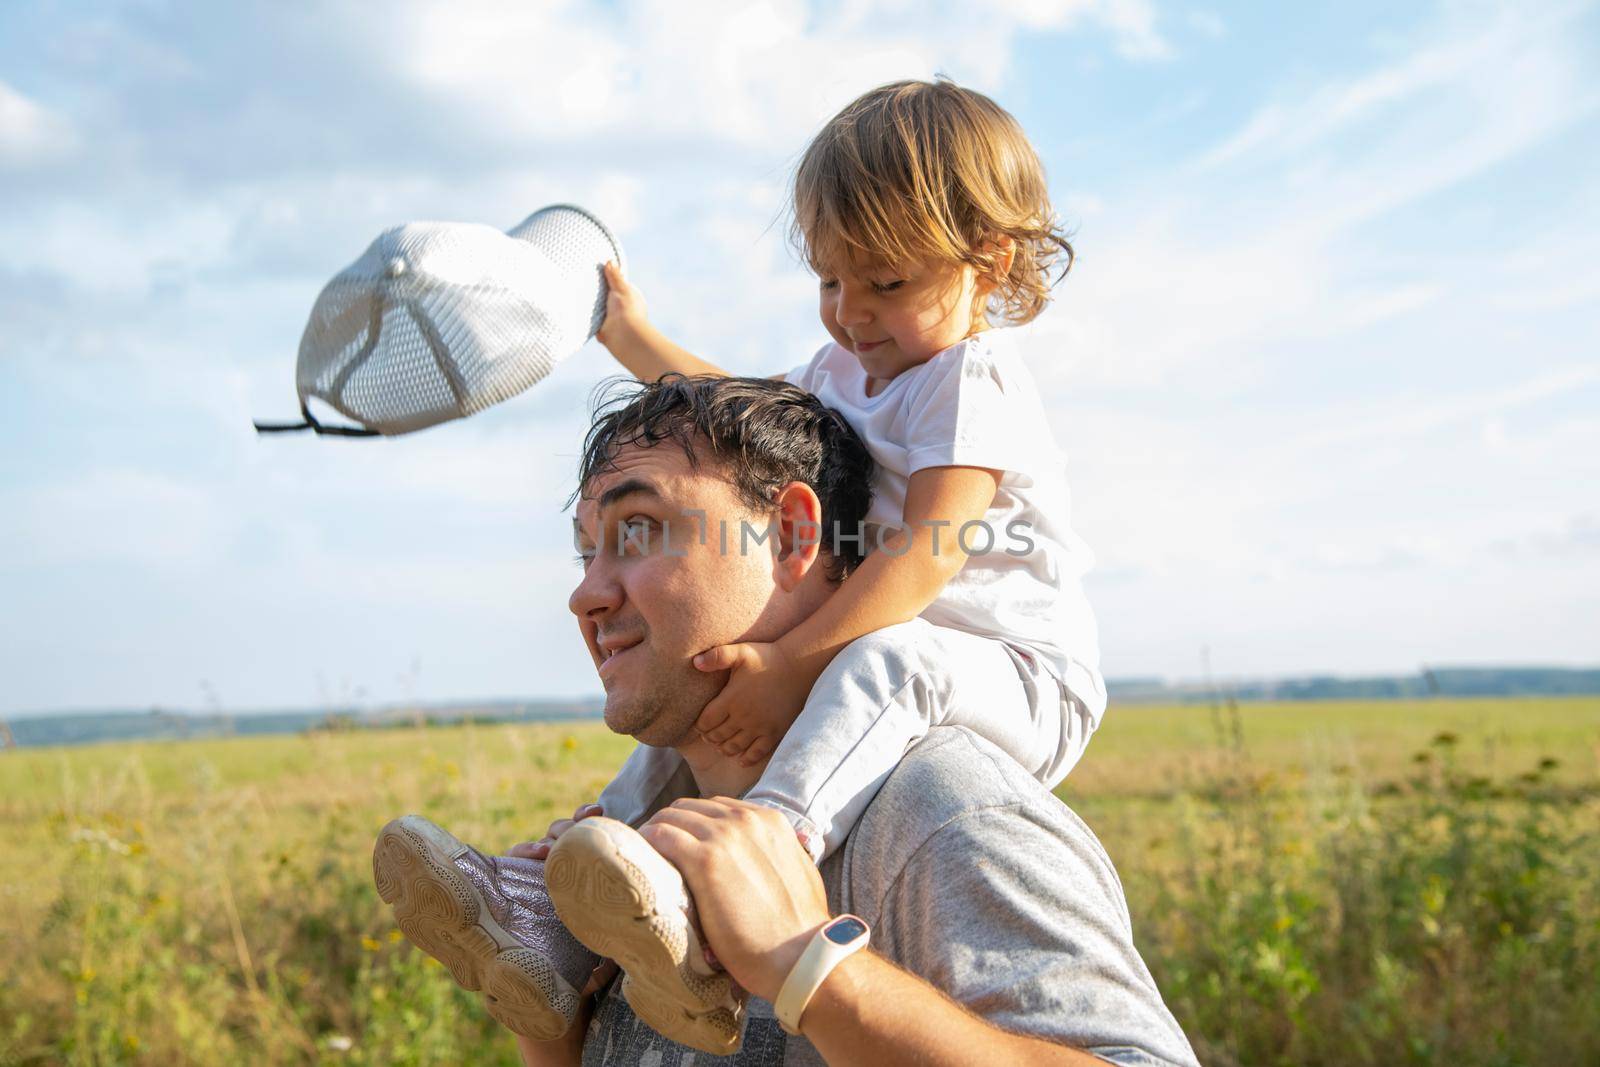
[618,896]
[489,920]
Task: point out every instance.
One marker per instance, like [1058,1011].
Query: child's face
[896,318]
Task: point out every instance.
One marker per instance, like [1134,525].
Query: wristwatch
[829,946]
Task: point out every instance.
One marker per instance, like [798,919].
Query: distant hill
[88,727]
[1442,681]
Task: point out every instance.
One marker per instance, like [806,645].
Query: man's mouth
[609,655]
[868,346]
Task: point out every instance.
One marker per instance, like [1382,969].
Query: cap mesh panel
[490,312]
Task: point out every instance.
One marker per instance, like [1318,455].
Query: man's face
[659,588]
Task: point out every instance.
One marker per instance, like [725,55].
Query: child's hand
[763,695]
[625,310]
[540,849]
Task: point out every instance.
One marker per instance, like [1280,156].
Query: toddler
[923,211]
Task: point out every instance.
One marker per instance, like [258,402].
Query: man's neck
[716,775]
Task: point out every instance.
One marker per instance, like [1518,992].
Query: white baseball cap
[439,320]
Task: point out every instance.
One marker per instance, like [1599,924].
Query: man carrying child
[995,924]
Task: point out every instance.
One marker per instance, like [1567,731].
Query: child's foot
[489,920]
[622,899]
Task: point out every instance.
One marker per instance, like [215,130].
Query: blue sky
[1326,369]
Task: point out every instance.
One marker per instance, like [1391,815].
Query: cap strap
[310,422]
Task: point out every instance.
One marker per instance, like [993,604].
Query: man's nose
[598,591]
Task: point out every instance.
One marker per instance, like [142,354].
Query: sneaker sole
[441,913]
[598,877]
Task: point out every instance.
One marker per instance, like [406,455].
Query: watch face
[845,930]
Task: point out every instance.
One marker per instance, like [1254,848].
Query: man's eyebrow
[627,488]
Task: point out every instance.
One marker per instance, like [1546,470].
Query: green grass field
[1311,883]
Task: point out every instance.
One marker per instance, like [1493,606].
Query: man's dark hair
[764,433]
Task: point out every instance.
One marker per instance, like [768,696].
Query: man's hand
[757,893]
[759,702]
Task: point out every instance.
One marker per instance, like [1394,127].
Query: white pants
[881,694]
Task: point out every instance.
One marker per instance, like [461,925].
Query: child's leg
[882,692]
[650,779]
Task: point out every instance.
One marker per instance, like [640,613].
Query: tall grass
[212,902]
[1428,899]
[1324,914]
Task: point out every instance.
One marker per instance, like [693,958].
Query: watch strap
[818,960]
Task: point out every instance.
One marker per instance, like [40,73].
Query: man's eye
[828,284]
[635,532]
[888,287]
[582,559]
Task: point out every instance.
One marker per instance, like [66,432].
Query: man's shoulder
[956,790]
[978,880]
[953,773]
[950,772]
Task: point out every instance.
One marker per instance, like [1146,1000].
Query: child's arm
[631,337]
[770,682]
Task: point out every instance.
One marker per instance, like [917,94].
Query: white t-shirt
[976,405]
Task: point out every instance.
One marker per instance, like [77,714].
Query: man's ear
[798,540]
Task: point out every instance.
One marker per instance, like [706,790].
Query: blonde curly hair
[930,171]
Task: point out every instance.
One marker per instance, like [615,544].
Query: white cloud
[757,75]
[1243,255]
[1208,24]
[120,253]
[744,74]
[1555,267]
[1413,415]
[1400,300]
[1361,146]
[1538,84]
[1132,23]
[31,135]
[119,514]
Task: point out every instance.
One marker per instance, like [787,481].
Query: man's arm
[564,1051]
[871,1012]
[760,900]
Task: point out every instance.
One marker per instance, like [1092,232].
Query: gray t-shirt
[975,878]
